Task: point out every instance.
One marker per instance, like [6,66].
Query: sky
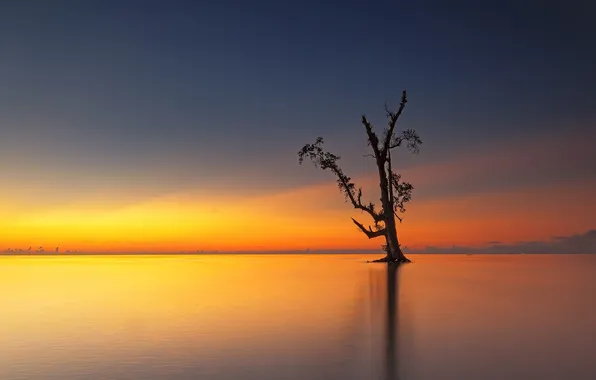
[141,126]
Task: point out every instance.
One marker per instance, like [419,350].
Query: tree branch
[369,233]
[390,178]
[412,138]
[328,161]
[373,140]
[393,116]
[402,194]
[397,142]
[357,201]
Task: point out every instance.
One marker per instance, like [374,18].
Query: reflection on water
[297,317]
[391,321]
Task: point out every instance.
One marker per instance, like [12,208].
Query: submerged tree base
[388,260]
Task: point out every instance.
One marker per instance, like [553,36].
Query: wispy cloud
[574,244]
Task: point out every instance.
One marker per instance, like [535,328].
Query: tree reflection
[384,308]
[391,344]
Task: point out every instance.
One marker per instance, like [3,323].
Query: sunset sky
[150,126]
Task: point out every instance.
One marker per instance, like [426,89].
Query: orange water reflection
[296,316]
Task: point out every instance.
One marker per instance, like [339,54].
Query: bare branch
[393,116]
[345,183]
[369,233]
[373,140]
[328,161]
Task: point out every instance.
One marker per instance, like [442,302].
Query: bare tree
[394,193]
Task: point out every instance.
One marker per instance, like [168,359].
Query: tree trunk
[388,246]
[387,209]
[394,252]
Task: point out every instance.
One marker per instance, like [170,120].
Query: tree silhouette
[394,193]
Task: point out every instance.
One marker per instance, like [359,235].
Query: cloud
[541,161]
[579,243]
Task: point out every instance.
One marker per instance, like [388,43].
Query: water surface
[297,317]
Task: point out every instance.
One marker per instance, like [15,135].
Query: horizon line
[107,253]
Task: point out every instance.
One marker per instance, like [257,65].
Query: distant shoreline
[54,254]
[185,253]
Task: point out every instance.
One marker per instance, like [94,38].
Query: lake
[297,317]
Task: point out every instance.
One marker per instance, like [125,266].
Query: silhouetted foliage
[402,194]
[394,193]
[328,161]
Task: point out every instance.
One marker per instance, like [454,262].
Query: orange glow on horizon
[312,217]
[127,219]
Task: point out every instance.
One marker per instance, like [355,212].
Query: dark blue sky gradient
[163,94]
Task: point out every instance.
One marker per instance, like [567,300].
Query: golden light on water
[151,316]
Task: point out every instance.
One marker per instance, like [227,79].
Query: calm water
[297,317]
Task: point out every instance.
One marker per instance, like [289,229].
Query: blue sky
[167,95]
